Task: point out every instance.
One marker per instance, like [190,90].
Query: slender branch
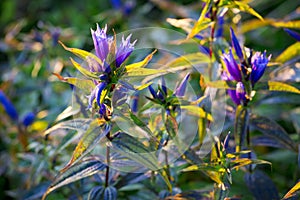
[107,162]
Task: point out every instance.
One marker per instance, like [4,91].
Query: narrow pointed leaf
[202,22]
[240,126]
[270,128]
[96,131]
[246,161]
[269,142]
[140,64]
[289,53]
[276,86]
[78,171]
[220,84]
[244,7]
[292,191]
[198,111]
[82,53]
[189,60]
[84,71]
[145,72]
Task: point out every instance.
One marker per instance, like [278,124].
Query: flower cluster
[161,95]
[112,58]
[246,70]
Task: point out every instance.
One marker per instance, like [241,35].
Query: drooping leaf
[277,86]
[74,124]
[145,72]
[88,167]
[84,71]
[68,112]
[289,53]
[189,60]
[202,23]
[261,186]
[96,131]
[197,111]
[270,128]
[96,193]
[143,63]
[292,192]
[82,53]
[268,141]
[110,193]
[83,84]
[254,24]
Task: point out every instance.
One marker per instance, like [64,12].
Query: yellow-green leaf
[288,24]
[292,191]
[82,53]
[254,24]
[289,53]
[244,7]
[145,72]
[279,86]
[185,24]
[189,60]
[220,85]
[140,64]
[196,110]
[96,131]
[83,70]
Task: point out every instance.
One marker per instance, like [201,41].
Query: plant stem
[107,162]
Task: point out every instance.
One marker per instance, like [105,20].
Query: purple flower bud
[160,95]
[100,87]
[124,50]
[163,85]
[236,45]
[204,49]
[102,110]
[232,66]
[106,67]
[117,4]
[293,34]
[8,106]
[94,66]
[240,91]
[28,119]
[180,90]
[234,98]
[135,102]
[152,91]
[101,42]
[259,63]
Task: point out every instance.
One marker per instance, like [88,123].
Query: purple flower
[219,32]
[259,63]
[102,110]
[293,34]
[28,119]
[236,45]
[180,90]
[135,101]
[240,91]
[101,42]
[152,91]
[100,87]
[124,50]
[8,106]
[232,66]
[234,98]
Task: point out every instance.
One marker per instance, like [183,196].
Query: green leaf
[237,163]
[96,193]
[185,24]
[143,86]
[289,53]
[241,126]
[202,22]
[189,60]
[140,64]
[88,167]
[171,126]
[144,72]
[82,53]
[84,71]
[96,131]
[110,193]
[292,191]
[272,129]
[254,24]
[197,111]
[79,124]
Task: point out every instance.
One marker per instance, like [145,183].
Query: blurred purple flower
[294,34]
[124,50]
[236,45]
[219,32]
[232,66]
[101,42]
[180,90]
[135,101]
[8,106]
[28,119]
[259,63]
